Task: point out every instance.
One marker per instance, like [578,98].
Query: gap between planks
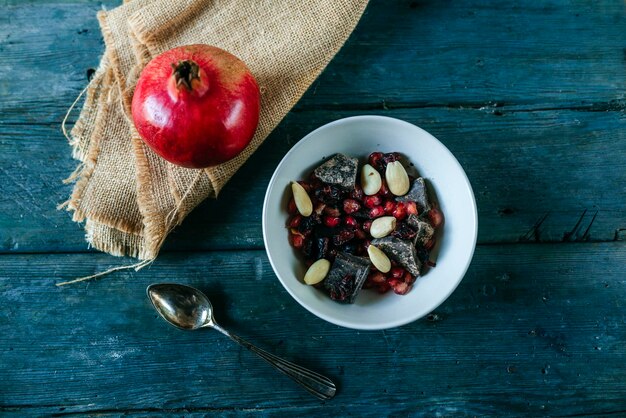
[261,248]
[492,105]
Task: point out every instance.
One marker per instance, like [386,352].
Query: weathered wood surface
[530,145]
[522,165]
[528,95]
[545,54]
[532,329]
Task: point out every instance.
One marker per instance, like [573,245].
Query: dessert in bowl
[350,142]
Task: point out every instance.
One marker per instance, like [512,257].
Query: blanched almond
[302,199]
[370,180]
[317,272]
[397,178]
[381,227]
[379,259]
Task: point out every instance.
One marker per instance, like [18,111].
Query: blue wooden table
[530,97]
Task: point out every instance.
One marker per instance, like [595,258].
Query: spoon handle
[320,386]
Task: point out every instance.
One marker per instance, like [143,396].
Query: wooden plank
[403,53]
[532,330]
[551,53]
[523,165]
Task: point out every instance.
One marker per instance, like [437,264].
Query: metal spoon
[188,308]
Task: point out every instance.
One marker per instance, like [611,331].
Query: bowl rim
[391,324]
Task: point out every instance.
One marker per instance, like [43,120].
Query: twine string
[170,221]
[69,112]
[137,266]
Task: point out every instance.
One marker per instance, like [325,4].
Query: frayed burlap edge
[133,245]
[156,226]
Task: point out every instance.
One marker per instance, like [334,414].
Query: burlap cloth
[128,197]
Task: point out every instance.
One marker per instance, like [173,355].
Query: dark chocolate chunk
[418,194]
[424,230]
[346,277]
[401,251]
[340,170]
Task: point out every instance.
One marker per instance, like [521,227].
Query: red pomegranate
[196,105]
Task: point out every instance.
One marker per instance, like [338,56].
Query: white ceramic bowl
[357,137]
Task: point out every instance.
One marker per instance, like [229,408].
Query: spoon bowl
[188,308]
[182,306]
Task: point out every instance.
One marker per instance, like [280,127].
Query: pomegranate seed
[357,192]
[377,277]
[294,222]
[376,160]
[367,284]
[383,287]
[342,237]
[376,212]
[399,287]
[389,206]
[367,225]
[331,222]
[292,208]
[435,217]
[372,201]
[384,190]
[394,282]
[360,234]
[408,278]
[351,206]
[411,208]
[391,157]
[331,211]
[297,240]
[379,161]
[400,211]
[397,272]
[351,222]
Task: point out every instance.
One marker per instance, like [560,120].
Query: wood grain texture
[530,330]
[522,165]
[476,52]
[530,98]
[471,53]
[559,158]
